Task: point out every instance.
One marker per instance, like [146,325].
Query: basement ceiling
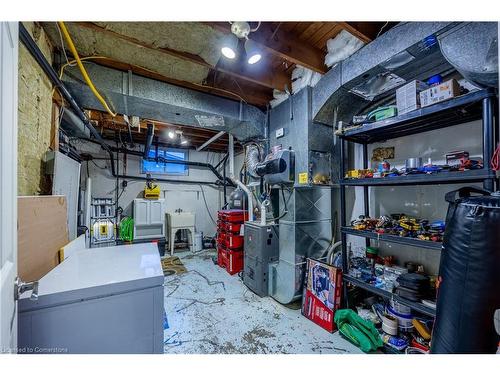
[116,129]
[188,53]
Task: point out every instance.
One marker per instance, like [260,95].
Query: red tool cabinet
[229,240]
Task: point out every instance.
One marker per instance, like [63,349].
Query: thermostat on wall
[280,132]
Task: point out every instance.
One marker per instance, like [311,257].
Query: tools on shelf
[362,274]
[394,324]
[401,225]
[456,161]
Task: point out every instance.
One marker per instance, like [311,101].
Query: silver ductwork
[306,228]
[147,98]
[253,157]
[472,49]
[401,52]
[408,51]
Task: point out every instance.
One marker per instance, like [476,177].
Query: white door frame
[9,41]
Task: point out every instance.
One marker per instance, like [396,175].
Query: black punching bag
[469,275]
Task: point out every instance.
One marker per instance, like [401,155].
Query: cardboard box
[408,96]
[322,293]
[42,230]
[456,158]
[439,93]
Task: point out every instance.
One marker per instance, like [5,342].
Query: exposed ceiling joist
[197,136]
[277,42]
[355,32]
[266,77]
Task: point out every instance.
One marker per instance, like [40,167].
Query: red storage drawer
[231,260]
[233,241]
[233,216]
[231,227]
[221,256]
[221,238]
[234,261]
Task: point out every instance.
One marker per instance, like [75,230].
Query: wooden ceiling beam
[267,78]
[136,135]
[110,133]
[354,31]
[103,118]
[118,123]
[283,44]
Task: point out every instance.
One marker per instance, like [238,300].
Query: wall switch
[280,132]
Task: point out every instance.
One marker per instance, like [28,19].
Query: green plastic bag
[359,331]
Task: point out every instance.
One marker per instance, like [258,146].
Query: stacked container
[230,240]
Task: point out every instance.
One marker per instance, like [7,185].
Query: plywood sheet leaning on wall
[42,231]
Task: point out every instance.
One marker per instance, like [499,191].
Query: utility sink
[180,219]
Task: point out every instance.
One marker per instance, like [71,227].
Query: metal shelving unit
[417,306]
[393,239]
[478,105]
[476,175]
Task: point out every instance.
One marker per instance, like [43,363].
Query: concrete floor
[210,311]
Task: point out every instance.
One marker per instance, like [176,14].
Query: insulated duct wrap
[252,159]
[469,275]
[472,49]
[147,98]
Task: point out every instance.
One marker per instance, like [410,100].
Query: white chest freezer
[101,300]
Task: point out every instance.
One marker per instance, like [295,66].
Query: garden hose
[127,229]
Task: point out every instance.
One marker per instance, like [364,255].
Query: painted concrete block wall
[34,116]
[419,201]
[188,197]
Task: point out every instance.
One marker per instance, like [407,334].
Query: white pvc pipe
[237,181]
[263,212]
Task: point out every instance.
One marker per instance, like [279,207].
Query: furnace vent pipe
[235,180]
[252,159]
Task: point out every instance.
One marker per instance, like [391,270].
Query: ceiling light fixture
[253,53]
[229,46]
[180,138]
[171,134]
[241,30]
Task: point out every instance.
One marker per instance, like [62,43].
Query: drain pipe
[236,180]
